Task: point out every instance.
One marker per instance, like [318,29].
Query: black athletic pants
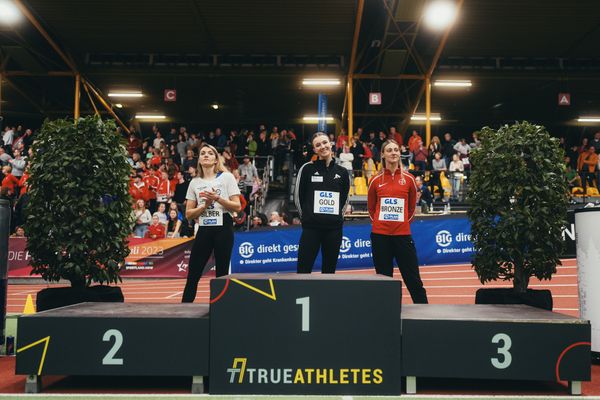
[402,248]
[208,239]
[329,241]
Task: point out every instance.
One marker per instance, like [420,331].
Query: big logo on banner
[438,241]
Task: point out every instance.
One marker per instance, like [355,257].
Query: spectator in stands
[19,232]
[164,190]
[420,157]
[7,138]
[18,164]
[161,213]
[158,140]
[437,144]
[395,136]
[573,180]
[181,147]
[448,148]
[346,158]
[193,141]
[358,153]
[406,157]
[156,230]
[4,156]
[276,220]
[190,160]
[456,169]
[174,224]
[136,162]
[256,222]
[142,218]
[10,183]
[230,162]
[251,145]
[583,147]
[586,166]
[476,142]
[438,165]
[415,142]
[134,144]
[342,139]
[596,142]
[424,196]
[379,139]
[220,139]
[138,189]
[248,175]
[181,187]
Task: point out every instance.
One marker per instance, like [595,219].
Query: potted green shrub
[79,213]
[519,203]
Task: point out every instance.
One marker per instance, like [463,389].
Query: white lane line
[496,286]
[174,295]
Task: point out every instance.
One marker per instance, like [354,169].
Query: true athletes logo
[239,373]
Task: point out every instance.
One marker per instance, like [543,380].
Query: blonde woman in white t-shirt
[456,169]
[211,198]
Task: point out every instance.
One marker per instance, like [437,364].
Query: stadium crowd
[164,162]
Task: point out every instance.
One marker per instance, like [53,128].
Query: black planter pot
[535,298]
[65,296]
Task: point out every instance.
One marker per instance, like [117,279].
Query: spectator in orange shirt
[414,142]
[586,166]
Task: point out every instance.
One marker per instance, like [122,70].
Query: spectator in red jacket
[156,230]
[10,182]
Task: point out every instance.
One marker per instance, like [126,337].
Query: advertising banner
[441,240]
[166,258]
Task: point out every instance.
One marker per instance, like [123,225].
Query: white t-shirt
[224,184]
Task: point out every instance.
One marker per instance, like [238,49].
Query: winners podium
[309,334]
[304,335]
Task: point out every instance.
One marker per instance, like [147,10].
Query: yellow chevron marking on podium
[271,295]
[47,340]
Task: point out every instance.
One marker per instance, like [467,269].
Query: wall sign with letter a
[305,334]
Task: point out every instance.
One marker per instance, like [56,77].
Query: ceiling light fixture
[214,106]
[453,83]
[423,117]
[589,118]
[440,14]
[125,94]
[321,82]
[150,116]
[9,12]
[119,105]
[313,118]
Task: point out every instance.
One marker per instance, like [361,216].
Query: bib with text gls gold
[211,217]
[327,202]
[391,209]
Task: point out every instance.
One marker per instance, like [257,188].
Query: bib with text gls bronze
[327,202]
[391,209]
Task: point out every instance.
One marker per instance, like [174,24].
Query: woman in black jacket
[321,196]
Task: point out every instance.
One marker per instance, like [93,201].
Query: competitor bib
[326,202]
[391,209]
[211,217]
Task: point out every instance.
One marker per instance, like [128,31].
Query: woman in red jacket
[392,201]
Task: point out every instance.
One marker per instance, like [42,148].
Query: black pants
[208,239]
[402,248]
[329,241]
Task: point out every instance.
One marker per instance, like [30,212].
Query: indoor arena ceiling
[250,57]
